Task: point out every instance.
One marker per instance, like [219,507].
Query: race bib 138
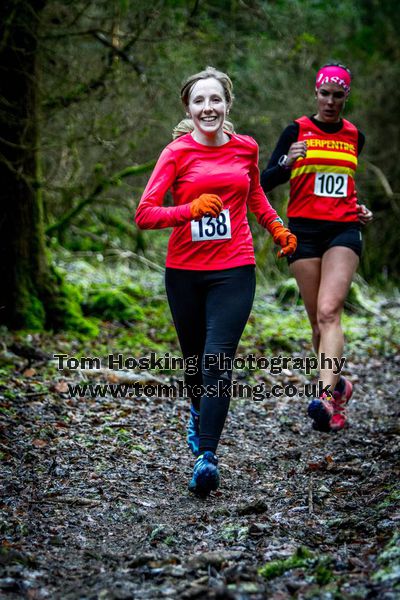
[210,228]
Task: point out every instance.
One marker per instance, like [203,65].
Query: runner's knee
[216,366]
[328,314]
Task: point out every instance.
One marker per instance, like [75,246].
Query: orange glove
[282,237]
[206,204]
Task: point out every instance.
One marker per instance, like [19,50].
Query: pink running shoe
[329,412]
[340,400]
[320,410]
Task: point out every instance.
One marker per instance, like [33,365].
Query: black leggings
[210,310]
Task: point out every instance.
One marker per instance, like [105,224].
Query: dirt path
[95,505]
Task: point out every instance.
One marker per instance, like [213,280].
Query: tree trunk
[28,287]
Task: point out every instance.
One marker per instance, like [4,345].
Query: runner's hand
[296,150]
[364,214]
[206,204]
[284,238]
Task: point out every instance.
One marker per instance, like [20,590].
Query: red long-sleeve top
[190,169]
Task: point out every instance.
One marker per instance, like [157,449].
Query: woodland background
[90,94]
[93,487]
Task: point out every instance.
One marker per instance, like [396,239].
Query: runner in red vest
[319,156]
[210,277]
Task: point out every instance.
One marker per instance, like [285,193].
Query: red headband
[334,74]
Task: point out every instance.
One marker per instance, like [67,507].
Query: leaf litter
[94,500]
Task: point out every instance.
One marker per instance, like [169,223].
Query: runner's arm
[274,174]
[150,213]
[257,201]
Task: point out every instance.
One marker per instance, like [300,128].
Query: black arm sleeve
[361,142]
[273,174]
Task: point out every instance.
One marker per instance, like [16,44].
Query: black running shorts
[315,237]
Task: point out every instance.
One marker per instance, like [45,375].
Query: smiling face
[208,107]
[331,99]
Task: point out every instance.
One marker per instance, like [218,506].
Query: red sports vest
[322,184]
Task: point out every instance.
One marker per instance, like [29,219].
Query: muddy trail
[95,505]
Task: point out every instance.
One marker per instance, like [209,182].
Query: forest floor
[94,497]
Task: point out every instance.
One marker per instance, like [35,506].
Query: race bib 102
[331,184]
[211,228]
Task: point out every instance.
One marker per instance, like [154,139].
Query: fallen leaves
[60,387]
[257,506]
[99,486]
[37,443]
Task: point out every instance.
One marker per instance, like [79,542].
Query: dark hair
[337,64]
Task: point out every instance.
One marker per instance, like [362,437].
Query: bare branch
[121,53]
[382,178]
[101,187]
[79,93]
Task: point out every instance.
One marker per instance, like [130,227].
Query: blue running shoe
[321,411]
[193,431]
[205,474]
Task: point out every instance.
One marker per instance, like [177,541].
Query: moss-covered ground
[94,488]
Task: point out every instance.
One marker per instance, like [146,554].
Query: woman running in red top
[210,275]
[319,156]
